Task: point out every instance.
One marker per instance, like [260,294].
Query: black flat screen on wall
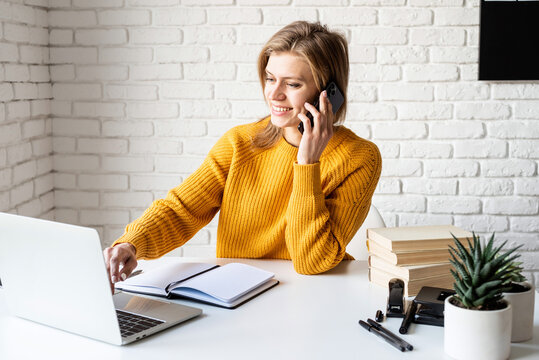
[509,40]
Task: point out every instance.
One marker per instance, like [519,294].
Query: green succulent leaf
[488,248]
[483,289]
[482,273]
[464,275]
[455,275]
[501,261]
[463,253]
[492,296]
[476,248]
[497,249]
[485,271]
[475,276]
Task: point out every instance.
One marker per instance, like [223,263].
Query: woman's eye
[269,79]
[294,85]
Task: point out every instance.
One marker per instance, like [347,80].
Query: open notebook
[227,286]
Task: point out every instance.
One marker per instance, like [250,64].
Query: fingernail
[325,93]
[123,276]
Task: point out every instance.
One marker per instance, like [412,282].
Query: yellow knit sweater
[270,207]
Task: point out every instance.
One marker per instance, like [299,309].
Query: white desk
[304,317]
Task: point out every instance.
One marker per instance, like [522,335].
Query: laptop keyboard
[131,324]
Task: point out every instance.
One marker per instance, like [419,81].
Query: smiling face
[289,84]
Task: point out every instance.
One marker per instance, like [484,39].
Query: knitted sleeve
[169,223]
[319,227]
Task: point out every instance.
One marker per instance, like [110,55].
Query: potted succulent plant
[521,295]
[477,320]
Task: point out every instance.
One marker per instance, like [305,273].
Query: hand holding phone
[335,97]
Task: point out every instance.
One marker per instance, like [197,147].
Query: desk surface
[304,317]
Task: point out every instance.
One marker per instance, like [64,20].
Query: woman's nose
[276,93]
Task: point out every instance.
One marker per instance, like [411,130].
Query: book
[408,257]
[411,287]
[408,238]
[410,272]
[226,286]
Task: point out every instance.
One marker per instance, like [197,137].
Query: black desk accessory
[430,305]
[427,308]
[390,333]
[395,300]
[433,297]
[424,316]
[387,338]
[379,316]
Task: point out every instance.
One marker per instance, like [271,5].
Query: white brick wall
[143,88]
[26,181]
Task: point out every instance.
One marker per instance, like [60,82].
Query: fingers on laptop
[128,268]
[107,254]
[120,262]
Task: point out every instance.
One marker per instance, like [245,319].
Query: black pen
[384,336]
[408,318]
[389,333]
[135,273]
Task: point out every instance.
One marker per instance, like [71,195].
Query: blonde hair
[325,51]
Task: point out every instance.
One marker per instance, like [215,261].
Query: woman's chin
[283,122]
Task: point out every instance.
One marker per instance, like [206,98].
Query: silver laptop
[55,274]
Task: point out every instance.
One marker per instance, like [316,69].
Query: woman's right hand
[122,255]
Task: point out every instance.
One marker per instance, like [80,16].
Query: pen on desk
[390,333]
[135,273]
[384,336]
[408,318]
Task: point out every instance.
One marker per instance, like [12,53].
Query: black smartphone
[335,97]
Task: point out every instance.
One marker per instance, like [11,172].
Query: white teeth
[280,109]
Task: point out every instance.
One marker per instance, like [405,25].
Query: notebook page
[162,276]
[199,295]
[228,282]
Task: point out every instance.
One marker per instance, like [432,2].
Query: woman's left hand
[315,139]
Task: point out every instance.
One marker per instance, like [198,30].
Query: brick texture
[130,96]
[26,181]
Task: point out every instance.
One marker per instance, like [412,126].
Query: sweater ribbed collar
[291,150]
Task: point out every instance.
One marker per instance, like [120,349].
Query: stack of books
[418,255]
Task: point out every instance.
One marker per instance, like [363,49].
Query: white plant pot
[477,334]
[522,304]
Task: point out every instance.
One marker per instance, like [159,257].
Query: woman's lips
[279,110]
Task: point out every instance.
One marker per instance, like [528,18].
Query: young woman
[281,194]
